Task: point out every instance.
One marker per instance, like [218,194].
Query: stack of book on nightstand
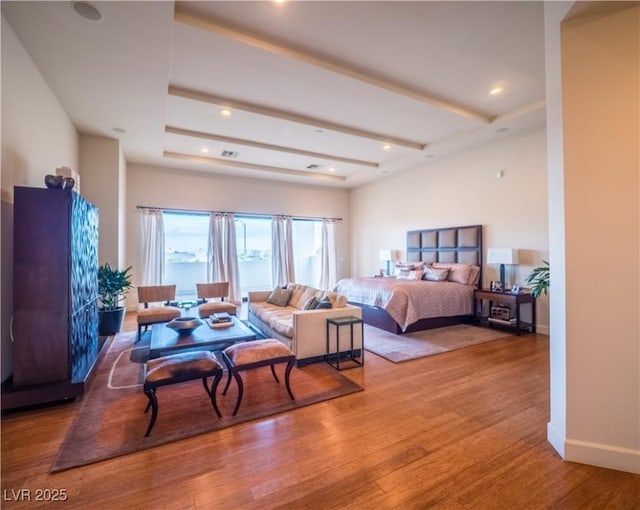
[506,322]
[502,315]
[220,320]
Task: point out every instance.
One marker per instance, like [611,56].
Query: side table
[351,354]
[507,298]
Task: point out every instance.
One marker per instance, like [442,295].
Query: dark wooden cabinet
[55,286]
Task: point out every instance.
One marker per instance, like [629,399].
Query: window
[185,243]
[307,245]
[253,243]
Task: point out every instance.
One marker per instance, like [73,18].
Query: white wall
[462,189]
[37,134]
[601,116]
[103,172]
[554,12]
[201,191]
[37,138]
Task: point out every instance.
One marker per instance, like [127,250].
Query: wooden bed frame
[449,244]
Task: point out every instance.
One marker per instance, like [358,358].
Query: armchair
[157,313]
[217,290]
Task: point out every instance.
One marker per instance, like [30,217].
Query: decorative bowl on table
[184,325]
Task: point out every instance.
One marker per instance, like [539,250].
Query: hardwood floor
[462,430]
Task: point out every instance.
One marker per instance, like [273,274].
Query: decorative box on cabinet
[55,288]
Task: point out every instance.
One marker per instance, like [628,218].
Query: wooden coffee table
[165,340]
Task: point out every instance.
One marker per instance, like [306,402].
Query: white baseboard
[556,440]
[594,454]
[603,455]
[543,329]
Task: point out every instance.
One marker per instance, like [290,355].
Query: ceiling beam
[267,146]
[292,117]
[251,166]
[519,112]
[224,29]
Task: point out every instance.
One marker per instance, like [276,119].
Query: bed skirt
[379,318]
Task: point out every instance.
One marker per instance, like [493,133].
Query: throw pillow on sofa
[310,304]
[279,297]
[325,302]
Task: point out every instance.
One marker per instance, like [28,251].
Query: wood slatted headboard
[449,244]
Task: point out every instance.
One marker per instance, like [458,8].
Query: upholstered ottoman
[254,354]
[178,368]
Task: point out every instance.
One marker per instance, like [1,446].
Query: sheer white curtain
[151,254]
[282,270]
[328,255]
[222,255]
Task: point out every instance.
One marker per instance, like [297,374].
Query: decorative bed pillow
[474,276]
[400,272]
[458,273]
[279,297]
[434,274]
[414,274]
[310,304]
[403,269]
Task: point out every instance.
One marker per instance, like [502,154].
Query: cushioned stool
[179,368]
[254,354]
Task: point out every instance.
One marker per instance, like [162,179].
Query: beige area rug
[398,348]
[111,420]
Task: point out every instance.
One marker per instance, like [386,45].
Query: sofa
[299,327]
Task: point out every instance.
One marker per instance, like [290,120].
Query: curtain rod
[251,215]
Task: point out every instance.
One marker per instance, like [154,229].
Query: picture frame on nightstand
[496,286]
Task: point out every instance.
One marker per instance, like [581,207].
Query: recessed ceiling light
[204,150]
[279,2]
[497,90]
[332,169]
[386,147]
[87,11]
[225,112]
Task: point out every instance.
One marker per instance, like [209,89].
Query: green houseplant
[538,278]
[113,284]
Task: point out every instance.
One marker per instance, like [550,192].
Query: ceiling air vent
[313,166]
[229,154]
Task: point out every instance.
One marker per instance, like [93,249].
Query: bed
[405,304]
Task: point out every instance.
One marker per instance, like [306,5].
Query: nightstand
[513,301]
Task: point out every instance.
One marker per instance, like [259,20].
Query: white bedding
[407,301]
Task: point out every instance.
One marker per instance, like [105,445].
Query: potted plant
[113,284]
[539,279]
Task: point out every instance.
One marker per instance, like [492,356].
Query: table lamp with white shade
[385,256]
[502,256]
